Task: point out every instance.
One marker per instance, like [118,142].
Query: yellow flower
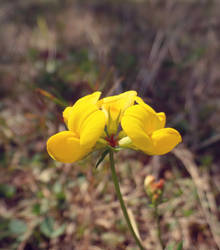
[146,129]
[85,123]
[114,108]
[143,128]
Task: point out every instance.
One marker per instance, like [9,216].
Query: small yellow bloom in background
[85,123]
[146,129]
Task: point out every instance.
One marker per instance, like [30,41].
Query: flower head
[85,123]
[146,129]
[95,124]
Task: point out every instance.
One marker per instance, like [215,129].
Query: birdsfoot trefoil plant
[109,125]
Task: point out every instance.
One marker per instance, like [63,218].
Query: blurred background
[52,53]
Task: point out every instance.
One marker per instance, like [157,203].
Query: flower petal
[66,114]
[134,128]
[65,147]
[128,96]
[92,128]
[144,105]
[88,99]
[161,115]
[165,140]
[92,98]
[79,115]
[149,120]
[117,104]
[162,118]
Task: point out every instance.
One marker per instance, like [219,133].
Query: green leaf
[151,205]
[17,227]
[7,191]
[4,228]
[47,228]
[59,231]
[180,246]
[188,212]
[170,246]
[102,158]
[36,209]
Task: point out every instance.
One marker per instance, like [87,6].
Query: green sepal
[116,149]
[102,157]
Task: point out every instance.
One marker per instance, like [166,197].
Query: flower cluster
[120,121]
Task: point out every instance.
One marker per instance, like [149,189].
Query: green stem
[123,207]
[158,226]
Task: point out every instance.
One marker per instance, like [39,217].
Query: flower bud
[148,181]
[153,188]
